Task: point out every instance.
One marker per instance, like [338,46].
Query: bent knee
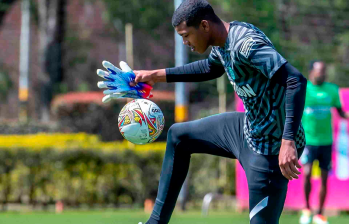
[177,132]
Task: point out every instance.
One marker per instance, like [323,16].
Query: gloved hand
[118,82]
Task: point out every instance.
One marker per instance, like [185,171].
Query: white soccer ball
[141,121]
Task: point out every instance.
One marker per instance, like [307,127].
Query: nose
[185,42]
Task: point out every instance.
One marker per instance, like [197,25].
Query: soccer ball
[141,121]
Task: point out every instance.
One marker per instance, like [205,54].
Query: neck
[220,33]
[316,83]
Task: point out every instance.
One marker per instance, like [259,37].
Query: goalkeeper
[267,139]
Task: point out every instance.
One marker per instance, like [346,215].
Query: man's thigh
[325,157]
[322,153]
[267,186]
[310,154]
[220,134]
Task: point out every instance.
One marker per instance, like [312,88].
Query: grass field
[133,217]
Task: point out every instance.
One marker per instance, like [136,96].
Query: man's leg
[220,135]
[307,169]
[325,157]
[267,186]
[323,190]
[307,159]
[306,213]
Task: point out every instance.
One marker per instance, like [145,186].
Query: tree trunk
[51,32]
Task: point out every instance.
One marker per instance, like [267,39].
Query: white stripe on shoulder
[246,46]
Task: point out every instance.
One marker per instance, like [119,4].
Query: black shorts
[321,153]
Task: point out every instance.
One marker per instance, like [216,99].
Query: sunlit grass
[135,216]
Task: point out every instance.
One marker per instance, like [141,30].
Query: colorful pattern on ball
[141,121]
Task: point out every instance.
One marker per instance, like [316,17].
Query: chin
[200,51]
[203,50]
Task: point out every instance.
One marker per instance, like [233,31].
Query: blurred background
[60,147]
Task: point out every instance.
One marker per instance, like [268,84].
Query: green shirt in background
[317,118]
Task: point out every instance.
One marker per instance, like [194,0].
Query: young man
[267,139]
[320,98]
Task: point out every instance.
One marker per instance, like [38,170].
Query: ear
[205,25]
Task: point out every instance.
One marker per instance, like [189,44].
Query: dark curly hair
[193,12]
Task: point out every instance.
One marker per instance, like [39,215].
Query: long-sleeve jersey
[262,78]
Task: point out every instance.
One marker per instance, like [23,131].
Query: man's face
[195,38]
[318,74]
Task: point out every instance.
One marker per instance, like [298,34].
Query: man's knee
[176,133]
[324,178]
[307,171]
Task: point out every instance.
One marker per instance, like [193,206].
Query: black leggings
[220,135]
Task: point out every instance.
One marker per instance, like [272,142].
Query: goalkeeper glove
[118,83]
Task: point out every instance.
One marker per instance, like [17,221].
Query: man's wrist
[346,114]
[288,142]
[159,75]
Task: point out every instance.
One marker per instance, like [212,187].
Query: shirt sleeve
[336,98]
[214,58]
[261,55]
[198,71]
[296,87]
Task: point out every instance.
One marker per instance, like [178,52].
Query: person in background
[321,96]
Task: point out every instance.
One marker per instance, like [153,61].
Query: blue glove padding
[119,83]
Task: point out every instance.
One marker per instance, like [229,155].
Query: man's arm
[342,113]
[295,99]
[337,102]
[198,71]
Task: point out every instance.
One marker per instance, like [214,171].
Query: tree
[51,32]
[4,6]
[301,30]
[153,33]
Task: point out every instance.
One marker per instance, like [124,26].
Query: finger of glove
[132,95]
[107,98]
[111,68]
[117,95]
[118,90]
[124,66]
[121,87]
[102,84]
[103,74]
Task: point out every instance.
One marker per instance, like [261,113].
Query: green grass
[133,217]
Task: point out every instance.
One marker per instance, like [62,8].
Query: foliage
[17,128]
[5,82]
[143,14]
[93,118]
[80,169]
[4,7]
[301,30]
